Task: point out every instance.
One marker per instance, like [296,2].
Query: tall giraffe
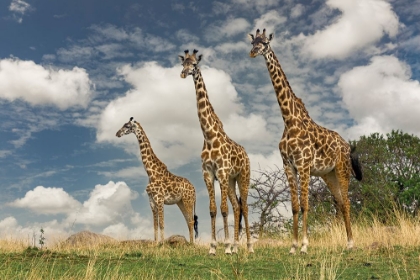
[222,159]
[164,187]
[307,148]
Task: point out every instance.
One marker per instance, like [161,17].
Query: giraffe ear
[270,37]
[181,58]
[251,37]
[199,58]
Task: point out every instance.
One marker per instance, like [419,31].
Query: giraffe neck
[209,121]
[292,107]
[151,162]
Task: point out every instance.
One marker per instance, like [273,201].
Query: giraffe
[164,187]
[222,159]
[307,148]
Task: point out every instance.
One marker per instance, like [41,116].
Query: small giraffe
[164,187]
[222,159]
[307,148]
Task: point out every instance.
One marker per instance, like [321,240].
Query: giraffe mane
[301,105]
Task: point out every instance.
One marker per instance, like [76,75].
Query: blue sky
[73,72]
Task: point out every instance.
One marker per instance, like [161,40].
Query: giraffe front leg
[161,221]
[155,217]
[209,181]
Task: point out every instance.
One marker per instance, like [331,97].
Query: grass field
[381,253]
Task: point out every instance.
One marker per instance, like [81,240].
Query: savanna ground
[382,252]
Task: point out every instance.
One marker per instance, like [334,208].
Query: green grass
[192,262]
[381,252]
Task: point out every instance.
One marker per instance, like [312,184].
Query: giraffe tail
[195,223]
[355,164]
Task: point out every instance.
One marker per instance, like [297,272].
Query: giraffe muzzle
[183,75]
[252,54]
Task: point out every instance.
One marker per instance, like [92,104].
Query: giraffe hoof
[350,245]
[303,251]
[235,248]
[212,251]
[228,252]
[228,249]
[292,251]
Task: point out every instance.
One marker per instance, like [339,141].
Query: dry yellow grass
[367,234]
[393,249]
[12,245]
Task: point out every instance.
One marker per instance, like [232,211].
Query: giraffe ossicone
[222,159]
[164,187]
[307,148]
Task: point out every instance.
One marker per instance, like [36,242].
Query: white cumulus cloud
[228,28]
[381,96]
[361,24]
[265,162]
[122,232]
[270,21]
[108,209]
[165,106]
[47,201]
[260,5]
[106,203]
[297,11]
[19,8]
[37,85]
[53,231]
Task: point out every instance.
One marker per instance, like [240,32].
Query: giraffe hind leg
[339,189]
[291,177]
[236,211]
[243,183]
[209,181]
[224,209]
[187,210]
[304,205]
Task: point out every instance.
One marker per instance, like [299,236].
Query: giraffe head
[260,43]
[127,128]
[189,62]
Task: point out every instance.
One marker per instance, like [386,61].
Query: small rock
[87,238]
[375,245]
[176,240]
